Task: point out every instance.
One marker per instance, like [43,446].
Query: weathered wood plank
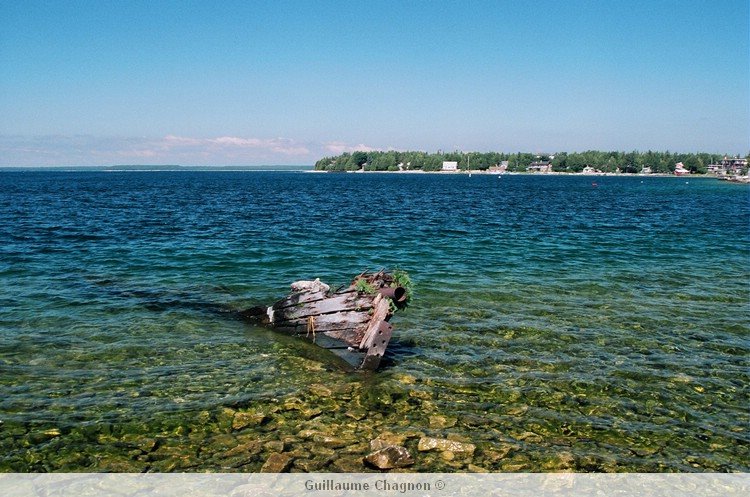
[321,320]
[352,336]
[382,309]
[350,302]
[297,298]
[376,350]
[346,337]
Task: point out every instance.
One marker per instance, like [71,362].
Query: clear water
[556,325]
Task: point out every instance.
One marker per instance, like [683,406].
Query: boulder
[392,456]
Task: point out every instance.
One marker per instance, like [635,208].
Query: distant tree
[628,162]
[359,158]
[559,163]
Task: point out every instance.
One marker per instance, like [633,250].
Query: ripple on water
[554,326]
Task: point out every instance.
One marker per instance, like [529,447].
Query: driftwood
[352,322]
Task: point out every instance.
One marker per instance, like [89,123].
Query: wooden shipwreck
[352,322]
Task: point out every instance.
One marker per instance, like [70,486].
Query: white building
[679,169]
[449,165]
[729,165]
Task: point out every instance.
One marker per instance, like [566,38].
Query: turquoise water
[557,324]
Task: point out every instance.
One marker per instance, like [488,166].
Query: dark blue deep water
[556,324]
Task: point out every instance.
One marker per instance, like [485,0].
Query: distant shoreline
[514,173]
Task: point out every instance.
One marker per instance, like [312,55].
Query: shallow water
[556,324]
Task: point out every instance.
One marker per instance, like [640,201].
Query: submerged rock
[247,449]
[349,464]
[385,439]
[242,420]
[392,456]
[441,444]
[330,441]
[311,465]
[320,390]
[440,422]
[278,462]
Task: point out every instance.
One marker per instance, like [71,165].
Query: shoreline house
[679,169]
[540,166]
[450,165]
[728,166]
[499,168]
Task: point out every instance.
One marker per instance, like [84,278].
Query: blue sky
[287,82]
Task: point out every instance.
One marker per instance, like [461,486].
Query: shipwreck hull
[352,322]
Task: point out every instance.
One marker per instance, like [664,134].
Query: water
[556,324]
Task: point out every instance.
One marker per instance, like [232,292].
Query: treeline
[608,162]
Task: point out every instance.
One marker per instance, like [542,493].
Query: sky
[289,82]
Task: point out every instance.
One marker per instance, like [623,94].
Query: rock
[518,411]
[448,455]
[141,442]
[357,414]
[390,457]
[70,462]
[224,419]
[500,452]
[278,462]
[274,446]
[220,443]
[441,444]
[322,451]
[117,464]
[179,463]
[406,379]
[242,420]
[351,464]
[172,452]
[329,441]
[476,469]
[307,434]
[385,439]
[39,437]
[645,451]
[565,460]
[293,403]
[530,436]
[245,449]
[309,413]
[358,448]
[311,465]
[203,417]
[320,390]
[101,439]
[440,422]
[180,431]
[420,394]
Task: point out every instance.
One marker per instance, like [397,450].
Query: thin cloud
[338,148]
[170,149]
